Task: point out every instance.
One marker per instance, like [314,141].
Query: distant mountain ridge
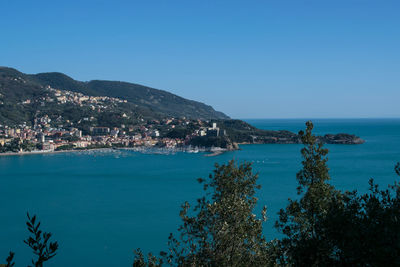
[159,102]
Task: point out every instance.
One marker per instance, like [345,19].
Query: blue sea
[100,206]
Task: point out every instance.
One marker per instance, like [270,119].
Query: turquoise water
[102,205]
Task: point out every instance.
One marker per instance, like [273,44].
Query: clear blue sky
[250,59]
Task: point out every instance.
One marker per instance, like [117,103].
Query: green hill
[158,100]
[142,101]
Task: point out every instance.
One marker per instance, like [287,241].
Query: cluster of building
[48,138]
[57,96]
[65,96]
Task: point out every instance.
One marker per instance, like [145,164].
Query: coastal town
[53,132]
[42,137]
[169,133]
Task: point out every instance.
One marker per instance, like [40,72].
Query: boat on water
[192,150]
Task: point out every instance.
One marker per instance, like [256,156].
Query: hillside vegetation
[143,101]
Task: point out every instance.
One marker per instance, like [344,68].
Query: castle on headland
[215,131]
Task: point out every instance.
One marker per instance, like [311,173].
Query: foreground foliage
[326,227]
[300,222]
[39,242]
[221,230]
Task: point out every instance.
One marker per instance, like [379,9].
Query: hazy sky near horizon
[249,59]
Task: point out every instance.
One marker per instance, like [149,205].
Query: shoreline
[212,151]
[143,150]
[43,152]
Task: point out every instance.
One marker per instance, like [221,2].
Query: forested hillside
[145,102]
